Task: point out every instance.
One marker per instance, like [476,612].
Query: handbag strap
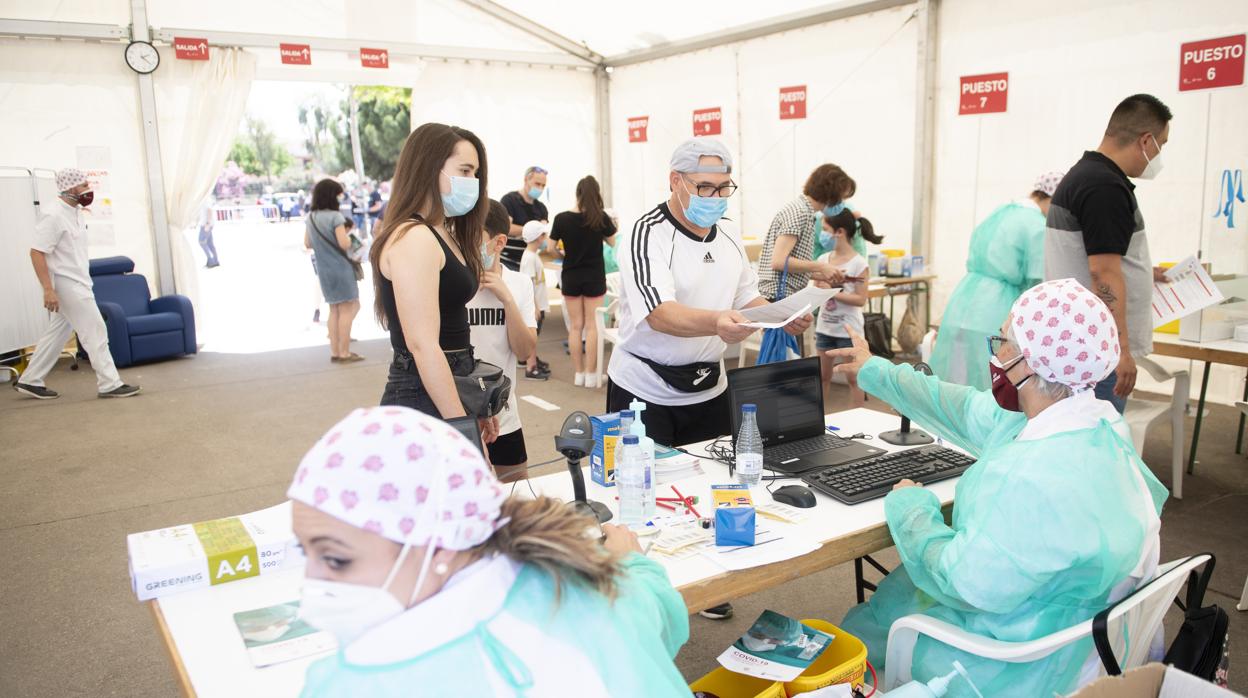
[783,287]
[332,243]
[1100,622]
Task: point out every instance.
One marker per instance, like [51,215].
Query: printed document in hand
[1190,290]
[785,310]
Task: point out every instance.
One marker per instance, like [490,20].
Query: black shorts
[590,285]
[677,425]
[508,449]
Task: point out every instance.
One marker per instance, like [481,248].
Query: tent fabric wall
[57,96]
[855,71]
[525,116]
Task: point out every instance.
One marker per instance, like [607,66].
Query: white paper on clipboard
[783,311]
[1190,290]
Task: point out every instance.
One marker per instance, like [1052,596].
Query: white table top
[202,626]
[1218,345]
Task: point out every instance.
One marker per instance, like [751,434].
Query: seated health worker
[1057,518]
[436,583]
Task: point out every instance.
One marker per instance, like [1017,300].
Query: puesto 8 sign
[637,126]
[708,122]
[296,54]
[983,94]
[189,49]
[1211,63]
[793,102]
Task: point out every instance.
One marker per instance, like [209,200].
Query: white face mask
[758,644]
[1153,168]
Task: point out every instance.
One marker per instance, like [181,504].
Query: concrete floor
[220,434]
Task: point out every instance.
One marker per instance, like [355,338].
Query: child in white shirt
[531,266]
[845,308]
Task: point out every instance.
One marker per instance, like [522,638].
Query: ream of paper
[1190,289]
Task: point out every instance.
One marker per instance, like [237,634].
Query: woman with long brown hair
[584,277]
[427,265]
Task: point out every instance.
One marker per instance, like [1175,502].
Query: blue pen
[832,428]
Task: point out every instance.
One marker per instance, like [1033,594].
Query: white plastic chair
[1131,626]
[608,331]
[1243,597]
[1141,413]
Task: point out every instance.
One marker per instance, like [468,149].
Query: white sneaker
[578,379]
[591,380]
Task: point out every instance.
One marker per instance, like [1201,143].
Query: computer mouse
[795,496]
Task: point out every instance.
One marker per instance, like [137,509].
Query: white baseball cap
[686,158]
[533,230]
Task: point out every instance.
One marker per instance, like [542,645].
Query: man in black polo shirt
[1095,232]
[523,206]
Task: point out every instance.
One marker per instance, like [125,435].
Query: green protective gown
[631,640]
[1005,259]
[1042,531]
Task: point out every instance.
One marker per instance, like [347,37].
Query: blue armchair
[140,328]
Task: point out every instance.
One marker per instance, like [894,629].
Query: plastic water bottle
[749,448]
[630,482]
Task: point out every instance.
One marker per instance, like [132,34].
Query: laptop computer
[789,396]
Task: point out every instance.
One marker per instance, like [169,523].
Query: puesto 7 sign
[983,94]
[793,102]
[189,49]
[708,122]
[637,126]
[296,54]
[1211,63]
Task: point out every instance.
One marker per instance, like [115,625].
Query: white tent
[555,84]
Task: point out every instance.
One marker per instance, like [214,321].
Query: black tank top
[456,286]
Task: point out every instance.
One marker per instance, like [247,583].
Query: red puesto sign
[296,54]
[637,126]
[190,49]
[374,58]
[793,102]
[1211,63]
[708,122]
[983,94]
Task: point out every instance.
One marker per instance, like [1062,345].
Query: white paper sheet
[807,298]
[781,323]
[1190,290]
[773,542]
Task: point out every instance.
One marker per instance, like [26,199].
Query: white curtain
[198,108]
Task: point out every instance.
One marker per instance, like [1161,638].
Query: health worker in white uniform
[685,278]
[59,255]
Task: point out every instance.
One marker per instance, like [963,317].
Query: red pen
[688,503]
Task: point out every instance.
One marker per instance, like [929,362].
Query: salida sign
[296,54]
[189,49]
[1211,63]
[374,58]
[637,126]
[708,122]
[983,94]
[793,102]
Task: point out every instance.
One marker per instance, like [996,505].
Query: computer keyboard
[870,478]
[795,449]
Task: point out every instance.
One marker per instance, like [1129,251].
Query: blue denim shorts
[824,342]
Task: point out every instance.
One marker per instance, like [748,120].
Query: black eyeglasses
[722,191]
[995,342]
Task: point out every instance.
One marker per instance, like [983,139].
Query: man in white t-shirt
[504,327]
[59,255]
[684,279]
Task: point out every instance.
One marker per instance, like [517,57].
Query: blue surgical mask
[535,192]
[463,196]
[705,211]
[487,259]
[826,241]
[834,210]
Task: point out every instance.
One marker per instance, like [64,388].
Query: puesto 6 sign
[374,58]
[793,102]
[296,54]
[637,126]
[707,122]
[1211,63]
[189,49]
[983,94]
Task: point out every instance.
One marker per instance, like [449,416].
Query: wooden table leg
[1200,412]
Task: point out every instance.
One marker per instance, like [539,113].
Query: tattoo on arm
[1106,293]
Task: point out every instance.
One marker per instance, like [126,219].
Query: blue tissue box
[606,428]
[734,526]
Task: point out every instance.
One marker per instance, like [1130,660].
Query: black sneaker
[536,374]
[720,612]
[543,365]
[122,391]
[38,392]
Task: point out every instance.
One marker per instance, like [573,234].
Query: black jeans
[405,389]
[677,425]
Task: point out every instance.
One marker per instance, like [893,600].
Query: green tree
[385,122]
[323,128]
[244,155]
[271,157]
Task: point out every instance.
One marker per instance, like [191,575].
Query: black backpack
[878,331]
[1202,646]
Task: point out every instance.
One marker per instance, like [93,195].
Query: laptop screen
[789,395]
